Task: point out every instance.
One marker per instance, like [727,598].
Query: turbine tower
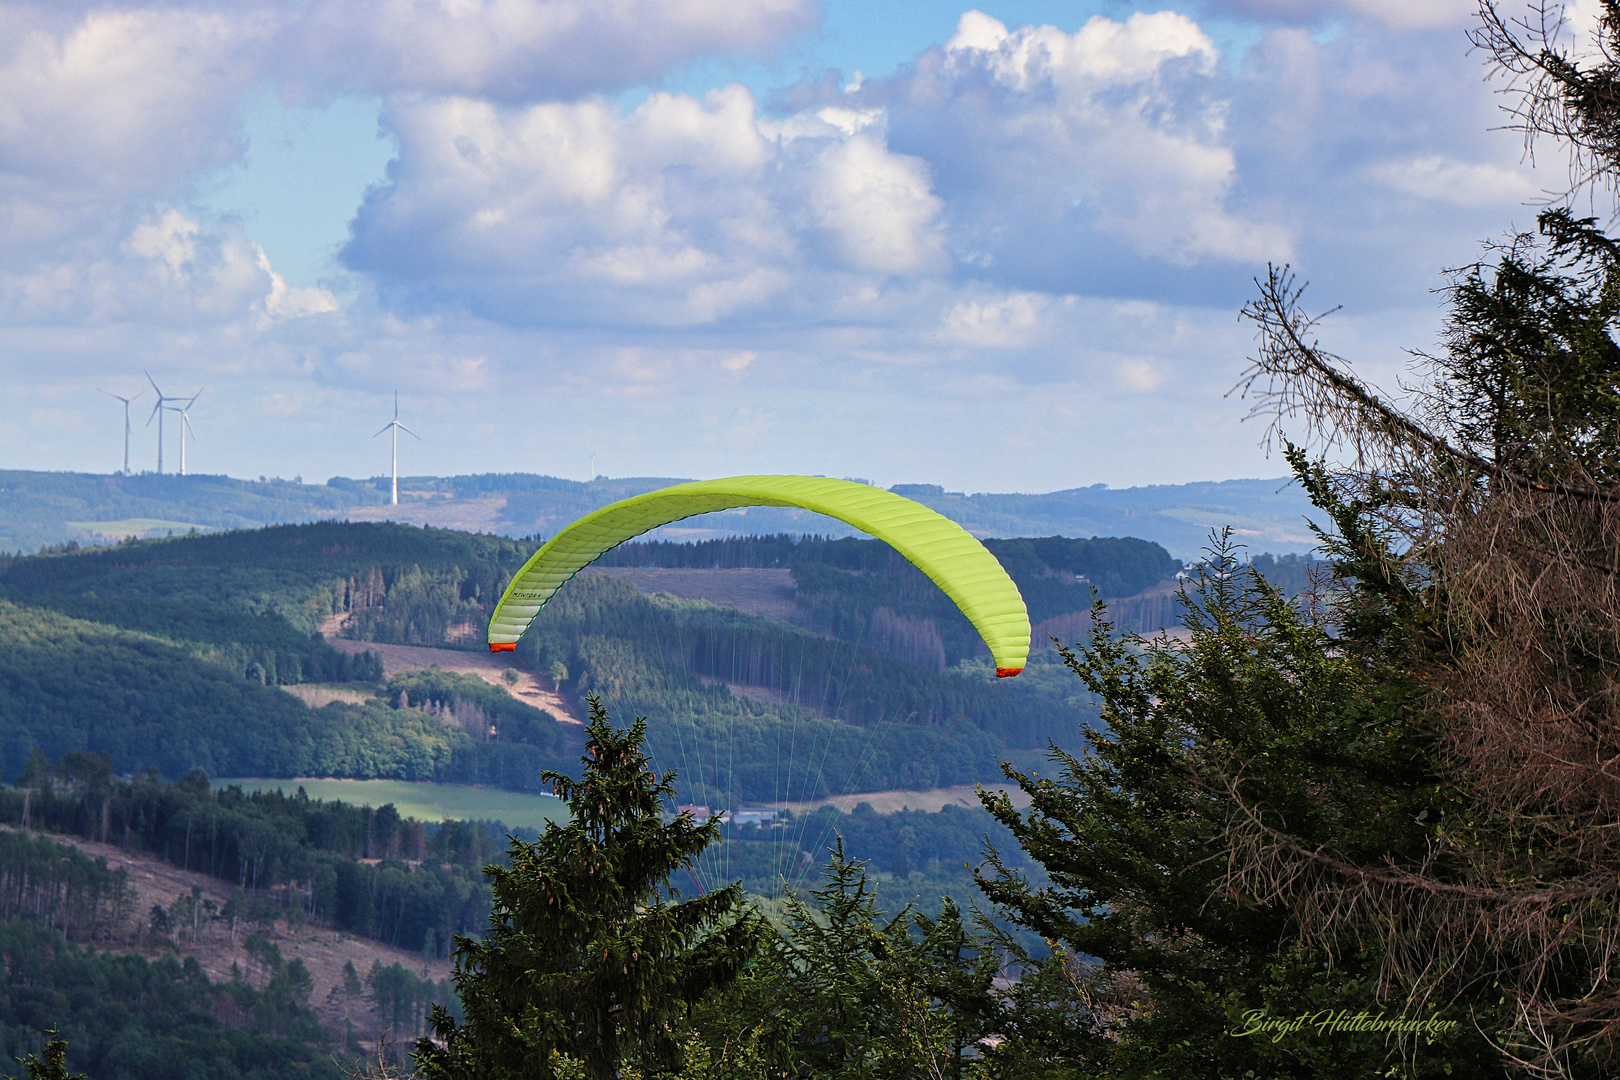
[185,426]
[126,401]
[158,410]
[396,427]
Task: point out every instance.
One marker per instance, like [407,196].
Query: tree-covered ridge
[305,573]
[175,644]
[264,647]
[358,869]
[60,886]
[838,716]
[864,590]
[73,685]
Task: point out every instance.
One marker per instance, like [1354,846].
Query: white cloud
[1045,142]
[100,112]
[1100,53]
[683,211]
[1392,14]
[1041,233]
[517,50]
[1462,183]
[1140,376]
[1003,322]
[880,207]
[291,301]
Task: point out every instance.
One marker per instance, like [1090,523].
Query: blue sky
[687,237]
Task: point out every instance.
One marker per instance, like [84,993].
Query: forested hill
[39,509]
[170,654]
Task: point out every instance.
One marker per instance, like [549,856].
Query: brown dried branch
[1520,891]
[1291,375]
[1551,93]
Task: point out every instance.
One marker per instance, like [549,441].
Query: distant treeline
[301,572]
[302,853]
[1116,567]
[370,872]
[61,886]
[865,591]
[925,856]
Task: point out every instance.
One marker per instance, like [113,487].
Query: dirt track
[487,666]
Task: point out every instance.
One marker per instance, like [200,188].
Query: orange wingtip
[503,646]
[1001,672]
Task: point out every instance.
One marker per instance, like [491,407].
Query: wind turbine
[185,426]
[396,427]
[126,401]
[158,411]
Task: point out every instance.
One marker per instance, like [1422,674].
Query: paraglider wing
[936,545]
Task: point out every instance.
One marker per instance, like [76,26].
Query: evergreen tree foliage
[1262,714]
[51,1063]
[842,989]
[588,952]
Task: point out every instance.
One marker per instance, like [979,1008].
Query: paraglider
[936,545]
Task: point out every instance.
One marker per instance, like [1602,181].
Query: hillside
[219,949]
[776,669]
[171,654]
[39,509]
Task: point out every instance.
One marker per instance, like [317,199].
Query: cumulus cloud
[100,113]
[1437,178]
[1027,157]
[1041,232]
[879,206]
[1060,153]
[685,210]
[999,322]
[522,50]
[169,271]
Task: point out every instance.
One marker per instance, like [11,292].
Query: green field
[423,801]
[117,530]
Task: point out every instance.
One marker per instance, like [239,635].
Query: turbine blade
[407,430]
[153,381]
[385,427]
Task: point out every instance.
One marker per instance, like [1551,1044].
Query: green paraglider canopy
[936,545]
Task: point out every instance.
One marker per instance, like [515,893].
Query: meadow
[420,800]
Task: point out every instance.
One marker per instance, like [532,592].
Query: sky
[999,247]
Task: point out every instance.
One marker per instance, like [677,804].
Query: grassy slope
[423,801]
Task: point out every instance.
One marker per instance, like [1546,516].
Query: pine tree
[590,956]
[53,1064]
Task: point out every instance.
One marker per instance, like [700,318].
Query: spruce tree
[1262,714]
[590,957]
